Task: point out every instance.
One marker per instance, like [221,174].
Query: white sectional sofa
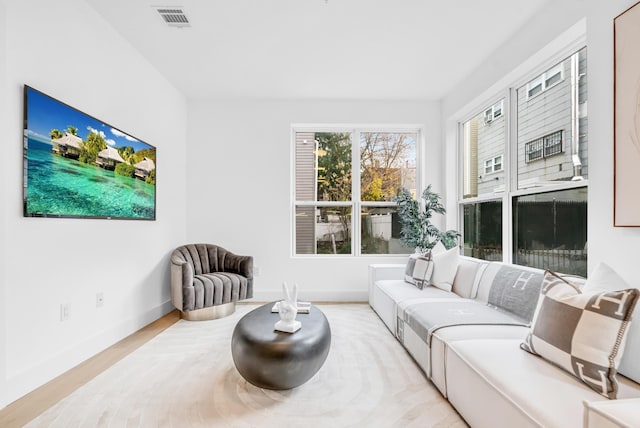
[467,342]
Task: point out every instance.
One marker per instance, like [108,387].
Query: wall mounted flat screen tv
[78,166]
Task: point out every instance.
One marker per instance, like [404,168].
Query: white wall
[239,179]
[65,49]
[615,246]
[3,225]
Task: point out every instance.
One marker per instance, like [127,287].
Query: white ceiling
[337,49]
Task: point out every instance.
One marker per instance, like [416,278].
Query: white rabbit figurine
[288,309]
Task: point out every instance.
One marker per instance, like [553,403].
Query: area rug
[185,377]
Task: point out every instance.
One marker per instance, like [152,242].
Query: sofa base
[210,313]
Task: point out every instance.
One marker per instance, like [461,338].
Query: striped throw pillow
[419,270]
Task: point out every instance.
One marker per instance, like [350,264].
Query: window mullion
[511,170]
[355,193]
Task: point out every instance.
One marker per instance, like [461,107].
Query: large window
[339,173]
[524,173]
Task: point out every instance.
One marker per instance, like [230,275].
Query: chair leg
[210,313]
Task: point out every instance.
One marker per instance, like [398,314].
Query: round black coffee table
[275,360]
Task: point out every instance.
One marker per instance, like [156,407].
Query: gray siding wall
[541,115]
[491,141]
[305,191]
[548,112]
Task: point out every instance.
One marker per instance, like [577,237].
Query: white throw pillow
[438,248]
[445,266]
[605,278]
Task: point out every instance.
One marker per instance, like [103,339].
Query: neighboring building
[68,146]
[108,158]
[306,189]
[490,131]
[144,167]
[551,141]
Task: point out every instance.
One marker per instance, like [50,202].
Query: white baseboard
[315,296]
[29,380]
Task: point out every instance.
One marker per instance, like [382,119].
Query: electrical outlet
[99,300]
[256,271]
[64,311]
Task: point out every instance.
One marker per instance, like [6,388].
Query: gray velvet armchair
[207,280]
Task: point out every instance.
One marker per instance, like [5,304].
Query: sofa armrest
[242,265]
[381,271]
[181,279]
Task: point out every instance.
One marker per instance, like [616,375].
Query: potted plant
[417,230]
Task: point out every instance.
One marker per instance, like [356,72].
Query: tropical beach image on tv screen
[79,166]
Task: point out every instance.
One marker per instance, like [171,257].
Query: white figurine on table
[288,309]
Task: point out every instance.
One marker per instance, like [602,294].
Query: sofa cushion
[419,269]
[583,333]
[218,288]
[390,294]
[491,382]
[444,336]
[604,277]
[427,317]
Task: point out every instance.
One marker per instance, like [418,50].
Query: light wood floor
[27,408]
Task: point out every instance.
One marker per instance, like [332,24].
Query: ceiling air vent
[173,16]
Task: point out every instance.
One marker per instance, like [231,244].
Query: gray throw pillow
[419,270]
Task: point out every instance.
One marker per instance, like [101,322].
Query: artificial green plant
[417,230]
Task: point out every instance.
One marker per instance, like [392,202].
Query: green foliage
[417,229]
[125,169]
[72,130]
[125,152]
[374,191]
[334,165]
[90,149]
[55,134]
[151,178]
[325,247]
[334,174]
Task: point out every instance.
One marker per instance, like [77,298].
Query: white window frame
[510,189]
[356,204]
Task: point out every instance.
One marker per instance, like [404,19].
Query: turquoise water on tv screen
[58,186]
